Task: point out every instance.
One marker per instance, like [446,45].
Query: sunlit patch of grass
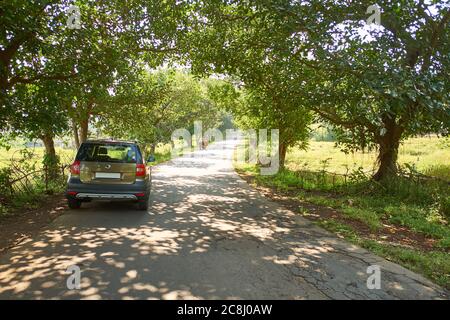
[6,156]
[341,229]
[370,209]
[420,219]
[429,155]
[368,217]
[439,170]
[163,153]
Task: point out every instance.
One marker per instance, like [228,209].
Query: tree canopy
[375,84]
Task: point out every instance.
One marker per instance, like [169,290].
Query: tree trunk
[84,127]
[75,134]
[387,161]
[50,158]
[388,145]
[282,151]
[152,149]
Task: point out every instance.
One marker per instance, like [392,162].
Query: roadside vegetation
[405,220]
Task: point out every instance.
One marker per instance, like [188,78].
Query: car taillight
[75,168]
[140,170]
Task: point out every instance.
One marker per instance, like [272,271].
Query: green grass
[439,170]
[29,160]
[6,156]
[32,198]
[414,206]
[429,155]
[163,153]
[373,210]
[435,265]
[423,208]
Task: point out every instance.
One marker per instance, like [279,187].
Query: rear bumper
[140,190]
[106,196]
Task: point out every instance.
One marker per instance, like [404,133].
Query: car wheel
[74,203]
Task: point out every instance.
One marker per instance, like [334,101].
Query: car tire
[74,203]
[143,204]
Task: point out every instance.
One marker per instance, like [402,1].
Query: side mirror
[151,159]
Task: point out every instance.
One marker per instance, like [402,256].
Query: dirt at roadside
[390,233]
[19,226]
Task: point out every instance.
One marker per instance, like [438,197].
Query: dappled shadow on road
[207,235]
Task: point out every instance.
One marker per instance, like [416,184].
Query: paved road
[208,235]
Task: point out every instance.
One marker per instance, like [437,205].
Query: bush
[32,180]
[5,178]
[445,206]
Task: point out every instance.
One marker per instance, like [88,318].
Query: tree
[232,40]
[40,114]
[380,85]
[28,29]
[40,54]
[266,107]
[376,85]
[150,108]
[37,45]
[34,32]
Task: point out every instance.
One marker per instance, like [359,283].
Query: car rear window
[104,152]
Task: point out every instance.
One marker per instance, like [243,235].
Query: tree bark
[282,148]
[50,158]
[388,144]
[387,161]
[75,134]
[152,149]
[84,127]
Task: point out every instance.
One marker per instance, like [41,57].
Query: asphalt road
[207,235]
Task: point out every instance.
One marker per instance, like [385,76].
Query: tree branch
[437,33]
[62,77]
[157,50]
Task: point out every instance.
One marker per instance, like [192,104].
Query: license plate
[107,175]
